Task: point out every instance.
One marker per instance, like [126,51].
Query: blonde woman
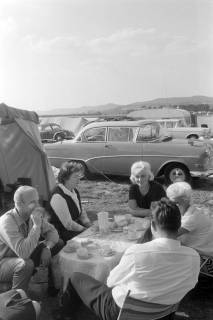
[143,189]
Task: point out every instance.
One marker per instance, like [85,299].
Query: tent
[21,151]
[73,124]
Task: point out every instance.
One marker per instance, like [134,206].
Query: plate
[109,254]
[68,249]
[85,243]
[85,258]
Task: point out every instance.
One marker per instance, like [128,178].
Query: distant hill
[112,108]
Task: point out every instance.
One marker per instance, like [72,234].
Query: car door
[120,150]
[90,147]
[153,149]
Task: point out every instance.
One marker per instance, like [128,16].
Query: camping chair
[137,310]
[206,266]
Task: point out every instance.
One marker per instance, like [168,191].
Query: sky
[72,53]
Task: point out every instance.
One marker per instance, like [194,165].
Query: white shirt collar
[172,243]
[66,191]
[71,194]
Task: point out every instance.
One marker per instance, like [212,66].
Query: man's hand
[45,257]
[37,216]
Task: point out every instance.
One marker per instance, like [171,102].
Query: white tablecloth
[98,266]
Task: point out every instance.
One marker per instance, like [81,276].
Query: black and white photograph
[106,159]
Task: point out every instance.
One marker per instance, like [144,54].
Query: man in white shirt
[159,272]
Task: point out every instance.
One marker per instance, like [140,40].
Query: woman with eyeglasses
[66,212]
[143,190]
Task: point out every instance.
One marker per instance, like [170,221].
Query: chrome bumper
[198,174]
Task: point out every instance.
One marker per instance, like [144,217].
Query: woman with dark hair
[66,212]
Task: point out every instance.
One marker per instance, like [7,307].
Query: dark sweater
[155,193]
[73,210]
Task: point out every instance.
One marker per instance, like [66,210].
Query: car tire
[176,172]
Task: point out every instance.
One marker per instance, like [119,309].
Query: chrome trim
[206,173]
[128,155]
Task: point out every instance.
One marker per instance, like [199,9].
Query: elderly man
[21,248]
[196,227]
[158,274]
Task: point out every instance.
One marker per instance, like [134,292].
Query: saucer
[68,249]
[108,254]
[85,243]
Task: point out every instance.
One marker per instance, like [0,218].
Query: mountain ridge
[125,108]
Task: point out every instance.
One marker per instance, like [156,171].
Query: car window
[148,132]
[170,124]
[162,123]
[121,134]
[181,123]
[95,134]
[55,127]
[47,128]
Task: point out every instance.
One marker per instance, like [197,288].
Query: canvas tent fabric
[73,124]
[161,113]
[21,151]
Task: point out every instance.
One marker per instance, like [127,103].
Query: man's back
[160,271]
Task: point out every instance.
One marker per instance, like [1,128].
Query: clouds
[8,28]
[121,51]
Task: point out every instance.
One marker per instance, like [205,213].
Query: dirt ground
[112,195]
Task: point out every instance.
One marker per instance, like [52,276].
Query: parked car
[178,128]
[110,147]
[51,132]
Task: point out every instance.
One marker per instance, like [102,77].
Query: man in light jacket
[27,240]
